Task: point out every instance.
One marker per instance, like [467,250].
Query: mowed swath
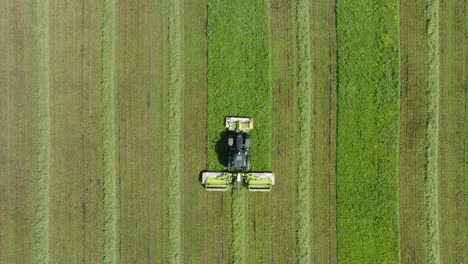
[451,198]
[322,179]
[75,192]
[197,238]
[411,151]
[283,129]
[18,135]
[139,144]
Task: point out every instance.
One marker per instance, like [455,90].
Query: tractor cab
[238,155]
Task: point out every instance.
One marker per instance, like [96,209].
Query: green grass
[109,134]
[368,109]
[239,85]
[174,135]
[304,90]
[432,128]
[41,36]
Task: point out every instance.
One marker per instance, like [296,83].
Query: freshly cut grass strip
[239,231]
[304,118]
[368,108]
[238,85]
[109,135]
[174,135]
[432,128]
[41,35]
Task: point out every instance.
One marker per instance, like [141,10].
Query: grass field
[111,109]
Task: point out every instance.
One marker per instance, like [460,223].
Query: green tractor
[238,170]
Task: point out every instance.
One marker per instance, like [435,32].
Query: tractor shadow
[222,148]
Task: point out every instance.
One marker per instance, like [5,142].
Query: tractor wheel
[247,141]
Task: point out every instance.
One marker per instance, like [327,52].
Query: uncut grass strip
[432,130]
[238,81]
[175,97]
[304,133]
[367,131]
[110,242]
[44,158]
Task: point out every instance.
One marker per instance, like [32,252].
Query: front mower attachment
[234,123]
[254,181]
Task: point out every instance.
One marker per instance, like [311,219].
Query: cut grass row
[175,136]
[431,132]
[238,81]
[109,135]
[304,134]
[367,34]
[42,214]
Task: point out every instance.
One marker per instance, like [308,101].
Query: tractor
[238,166]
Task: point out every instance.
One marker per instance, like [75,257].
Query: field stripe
[466,124]
[322,179]
[367,139]
[283,152]
[411,154]
[5,205]
[41,25]
[142,181]
[304,136]
[451,200]
[110,241]
[76,200]
[18,138]
[174,138]
[432,130]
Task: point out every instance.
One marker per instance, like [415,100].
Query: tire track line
[109,115]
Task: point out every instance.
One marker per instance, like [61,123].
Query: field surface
[109,111]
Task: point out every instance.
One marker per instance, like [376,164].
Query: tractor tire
[247,141]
